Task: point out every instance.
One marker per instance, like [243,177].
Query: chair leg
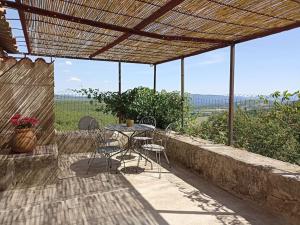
[159,167]
[90,162]
[167,158]
[94,155]
[139,158]
[157,156]
[122,159]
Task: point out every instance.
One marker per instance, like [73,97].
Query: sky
[262,66]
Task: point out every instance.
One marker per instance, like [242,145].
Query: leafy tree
[136,103]
[273,133]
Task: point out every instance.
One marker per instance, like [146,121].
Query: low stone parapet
[268,182]
[31,169]
[70,142]
[74,142]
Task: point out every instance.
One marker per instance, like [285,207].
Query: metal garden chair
[146,136]
[88,123]
[106,143]
[160,146]
[104,147]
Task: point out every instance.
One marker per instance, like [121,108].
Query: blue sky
[262,67]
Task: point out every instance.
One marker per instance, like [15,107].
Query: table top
[134,128]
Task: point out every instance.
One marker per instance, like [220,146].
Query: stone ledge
[30,169]
[269,182]
[71,142]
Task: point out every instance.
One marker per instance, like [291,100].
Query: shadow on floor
[90,168]
[132,170]
[79,199]
[212,200]
[114,199]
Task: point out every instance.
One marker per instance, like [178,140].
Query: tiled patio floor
[178,198]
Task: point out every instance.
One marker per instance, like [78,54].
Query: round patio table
[130,132]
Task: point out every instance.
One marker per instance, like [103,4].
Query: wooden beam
[131,31]
[77,57]
[231,96]
[24,27]
[296,1]
[120,87]
[120,78]
[154,78]
[150,19]
[244,39]
[269,32]
[182,92]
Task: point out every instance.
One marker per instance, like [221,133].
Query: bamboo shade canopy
[7,41]
[148,31]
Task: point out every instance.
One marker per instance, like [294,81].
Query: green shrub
[136,103]
[273,133]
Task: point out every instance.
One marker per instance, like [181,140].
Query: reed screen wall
[27,88]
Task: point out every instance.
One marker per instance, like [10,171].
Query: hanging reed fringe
[232,21]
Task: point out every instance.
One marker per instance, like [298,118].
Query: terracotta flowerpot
[24,140]
[129,123]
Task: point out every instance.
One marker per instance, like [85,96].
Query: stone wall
[268,182]
[29,169]
[74,142]
[70,142]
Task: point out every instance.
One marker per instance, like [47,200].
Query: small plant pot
[129,123]
[24,140]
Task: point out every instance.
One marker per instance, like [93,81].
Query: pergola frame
[140,30]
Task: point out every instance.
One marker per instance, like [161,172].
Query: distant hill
[69,97]
[207,100]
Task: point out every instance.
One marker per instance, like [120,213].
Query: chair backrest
[88,123]
[170,129]
[149,120]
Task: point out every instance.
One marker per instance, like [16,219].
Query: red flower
[33,121]
[15,122]
[17,116]
[24,122]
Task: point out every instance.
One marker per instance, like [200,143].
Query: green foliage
[274,133]
[69,112]
[139,102]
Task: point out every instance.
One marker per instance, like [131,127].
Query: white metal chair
[106,143]
[160,146]
[88,123]
[104,147]
[146,137]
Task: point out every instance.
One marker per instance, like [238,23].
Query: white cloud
[68,62]
[213,59]
[75,79]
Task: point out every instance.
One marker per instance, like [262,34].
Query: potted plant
[130,115]
[24,139]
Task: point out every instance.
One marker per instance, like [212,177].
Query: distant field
[69,112]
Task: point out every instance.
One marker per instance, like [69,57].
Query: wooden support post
[120,86]
[120,77]
[231,96]
[154,78]
[182,92]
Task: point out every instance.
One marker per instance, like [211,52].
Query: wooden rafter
[47,13]
[82,58]
[247,38]
[158,13]
[143,39]
[24,27]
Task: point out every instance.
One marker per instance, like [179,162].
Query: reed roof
[7,41]
[149,31]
